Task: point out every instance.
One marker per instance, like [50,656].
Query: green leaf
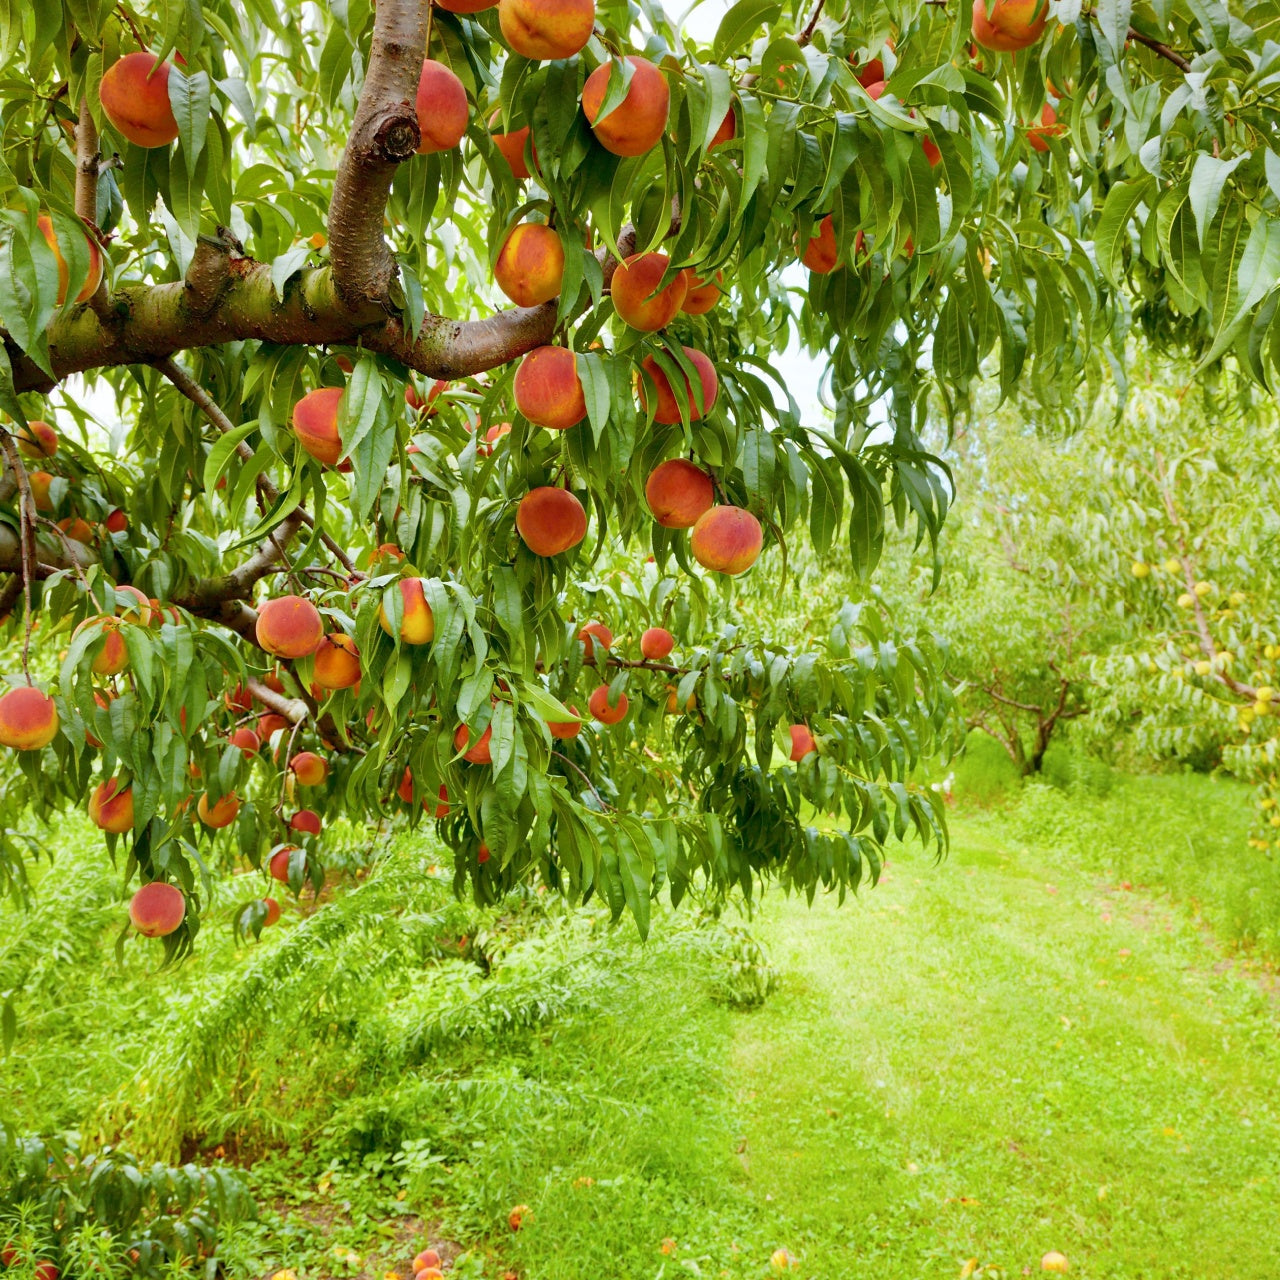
[740,24]
[189,98]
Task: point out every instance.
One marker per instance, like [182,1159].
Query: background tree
[293,585]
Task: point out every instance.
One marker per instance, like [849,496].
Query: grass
[986,1059]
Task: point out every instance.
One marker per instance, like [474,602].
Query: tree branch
[384,134]
[88,159]
[293,709]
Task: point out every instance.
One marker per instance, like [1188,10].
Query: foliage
[104,1213]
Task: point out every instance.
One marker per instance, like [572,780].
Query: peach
[479,752]
[1010,25]
[550,521]
[222,813]
[28,719]
[530,265]
[512,147]
[666,408]
[596,632]
[94,278]
[37,440]
[442,808]
[679,493]
[157,909]
[45,1270]
[273,912]
[442,108]
[269,724]
[702,294]
[562,729]
[727,540]
[491,437]
[337,662]
[656,643]
[111,807]
[246,740]
[545,30]
[309,769]
[40,483]
[727,131]
[142,614]
[405,789]
[548,390]
[930,149]
[872,73]
[605,711]
[427,1258]
[482,856]
[76,528]
[306,821]
[315,423]
[416,401]
[112,658]
[278,865]
[289,627]
[387,551]
[802,742]
[417,623]
[519,1216]
[820,253]
[135,96]
[635,125]
[636,296]
[238,698]
[1049,127]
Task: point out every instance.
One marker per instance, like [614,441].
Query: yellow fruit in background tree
[1055,1261]
[1203,589]
[1266,693]
[1247,715]
[1261,708]
[1140,570]
[1236,599]
[1173,566]
[1203,668]
[1186,600]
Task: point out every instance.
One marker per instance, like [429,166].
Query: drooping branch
[384,134]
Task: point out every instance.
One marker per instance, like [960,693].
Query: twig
[1169,55]
[608,808]
[807,34]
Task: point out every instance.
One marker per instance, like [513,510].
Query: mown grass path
[1007,1055]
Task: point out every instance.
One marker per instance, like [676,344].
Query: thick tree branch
[211,593]
[88,160]
[384,134]
[293,709]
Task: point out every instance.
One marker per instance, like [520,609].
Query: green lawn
[987,1059]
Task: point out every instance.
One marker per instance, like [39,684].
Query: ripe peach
[37,440]
[28,719]
[678,493]
[90,286]
[872,73]
[482,856]
[157,909]
[930,149]
[315,423]
[417,623]
[530,265]
[727,131]
[656,643]
[111,807]
[305,820]
[405,789]
[519,1216]
[289,627]
[337,662]
[635,280]
[593,633]
[802,742]
[550,521]
[702,294]
[1010,25]
[278,865]
[491,437]
[512,147]
[135,96]
[416,401]
[142,614]
[635,125]
[566,728]
[605,711]
[269,724]
[727,540]
[820,253]
[238,698]
[246,740]
[45,1270]
[667,409]
[387,551]
[548,390]
[442,108]
[116,521]
[222,813]
[273,912]
[546,29]
[479,753]
[76,528]
[309,769]
[113,656]
[1049,127]
[427,1258]
[40,483]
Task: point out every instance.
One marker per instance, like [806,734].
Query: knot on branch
[209,274]
[396,134]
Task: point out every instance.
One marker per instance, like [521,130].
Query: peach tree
[301,521]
